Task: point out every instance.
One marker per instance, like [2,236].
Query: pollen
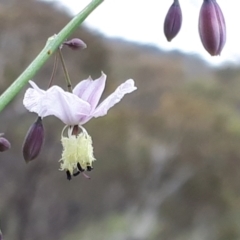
[77,149]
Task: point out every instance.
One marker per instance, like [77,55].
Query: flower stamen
[79,167]
[86,176]
[69,177]
[77,152]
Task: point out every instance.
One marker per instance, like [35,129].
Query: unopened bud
[173,21]
[1,236]
[34,140]
[4,145]
[75,44]
[212,27]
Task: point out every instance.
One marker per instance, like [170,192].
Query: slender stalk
[45,54]
[67,78]
[55,65]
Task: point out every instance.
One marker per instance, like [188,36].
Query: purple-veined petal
[91,90]
[115,97]
[55,101]
[82,86]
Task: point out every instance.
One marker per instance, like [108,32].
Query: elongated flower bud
[1,236]
[173,21]
[34,140]
[75,44]
[212,27]
[4,144]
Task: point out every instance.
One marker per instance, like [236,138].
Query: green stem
[45,54]
[67,78]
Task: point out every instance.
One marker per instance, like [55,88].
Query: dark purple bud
[173,21]
[34,140]
[1,236]
[212,27]
[75,44]
[4,145]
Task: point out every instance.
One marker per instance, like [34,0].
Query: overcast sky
[142,21]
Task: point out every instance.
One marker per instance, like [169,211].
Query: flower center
[77,152]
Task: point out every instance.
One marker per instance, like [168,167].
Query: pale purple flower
[75,109]
[78,107]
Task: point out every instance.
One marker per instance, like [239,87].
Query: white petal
[115,97]
[91,90]
[55,101]
[33,97]
[34,85]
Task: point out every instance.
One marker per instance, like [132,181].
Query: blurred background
[168,155]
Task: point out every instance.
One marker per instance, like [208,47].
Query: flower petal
[32,99]
[65,106]
[91,90]
[115,97]
[55,101]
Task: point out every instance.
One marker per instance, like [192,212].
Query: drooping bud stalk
[4,145]
[75,44]
[212,27]
[173,21]
[34,140]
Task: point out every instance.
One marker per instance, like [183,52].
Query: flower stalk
[67,78]
[45,54]
[55,65]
